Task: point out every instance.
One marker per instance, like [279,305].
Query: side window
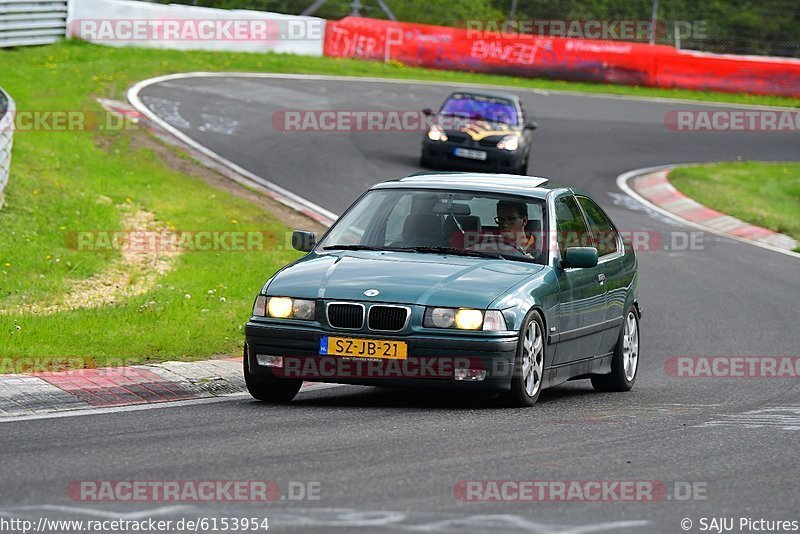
[602,230]
[572,230]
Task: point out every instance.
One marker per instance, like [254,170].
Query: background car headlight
[436,134]
[509,142]
[285,308]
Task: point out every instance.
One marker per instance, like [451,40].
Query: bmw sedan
[483,282]
[479,131]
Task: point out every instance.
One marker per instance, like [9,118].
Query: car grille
[387,318]
[457,137]
[346,316]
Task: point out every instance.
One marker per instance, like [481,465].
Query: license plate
[470,154]
[363,348]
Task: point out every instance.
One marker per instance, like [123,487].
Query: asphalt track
[388,460]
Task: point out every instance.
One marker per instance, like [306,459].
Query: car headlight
[509,142]
[284,308]
[464,319]
[436,134]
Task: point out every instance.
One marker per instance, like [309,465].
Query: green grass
[764,194]
[63,182]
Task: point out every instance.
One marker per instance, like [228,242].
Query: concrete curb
[652,188]
[42,393]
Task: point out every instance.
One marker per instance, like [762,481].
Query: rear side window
[572,231]
[603,232]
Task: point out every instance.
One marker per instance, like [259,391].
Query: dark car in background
[479,131]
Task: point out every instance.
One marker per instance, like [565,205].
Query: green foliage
[765,194]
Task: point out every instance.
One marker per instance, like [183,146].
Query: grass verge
[764,194]
[63,182]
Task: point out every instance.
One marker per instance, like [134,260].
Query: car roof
[481,92]
[512,184]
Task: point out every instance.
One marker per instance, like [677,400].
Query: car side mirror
[428,112]
[580,257]
[304,241]
[531,126]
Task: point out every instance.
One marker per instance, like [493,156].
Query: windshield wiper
[455,251]
[353,247]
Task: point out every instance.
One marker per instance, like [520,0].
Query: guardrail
[7,111]
[184,27]
[32,22]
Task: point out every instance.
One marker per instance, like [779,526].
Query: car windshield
[481,107]
[482,225]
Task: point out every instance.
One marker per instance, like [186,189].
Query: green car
[484,282]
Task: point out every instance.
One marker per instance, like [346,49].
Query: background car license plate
[363,348]
[470,154]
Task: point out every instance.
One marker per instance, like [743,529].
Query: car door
[610,262]
[582,291]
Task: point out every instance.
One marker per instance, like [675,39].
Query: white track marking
[782,417]
[287,197]
[151,406]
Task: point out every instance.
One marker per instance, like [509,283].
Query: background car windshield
[404,218]
[481,107]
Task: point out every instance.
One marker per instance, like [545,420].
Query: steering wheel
[497,242]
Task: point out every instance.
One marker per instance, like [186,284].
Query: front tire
[270,388]
[625,362]
[526,381]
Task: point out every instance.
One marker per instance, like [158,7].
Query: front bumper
[442,154]
[431,362]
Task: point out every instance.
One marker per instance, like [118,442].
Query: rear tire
[526,381]
[625,362]
[270,388]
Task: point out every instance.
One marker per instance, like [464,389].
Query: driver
[512,216]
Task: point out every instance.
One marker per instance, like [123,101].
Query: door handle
[601,278]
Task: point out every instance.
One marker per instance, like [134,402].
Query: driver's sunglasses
[506,220]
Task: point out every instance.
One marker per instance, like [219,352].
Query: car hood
[402,277]
[478,130]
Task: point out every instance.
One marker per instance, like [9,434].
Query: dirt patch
[134,273]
